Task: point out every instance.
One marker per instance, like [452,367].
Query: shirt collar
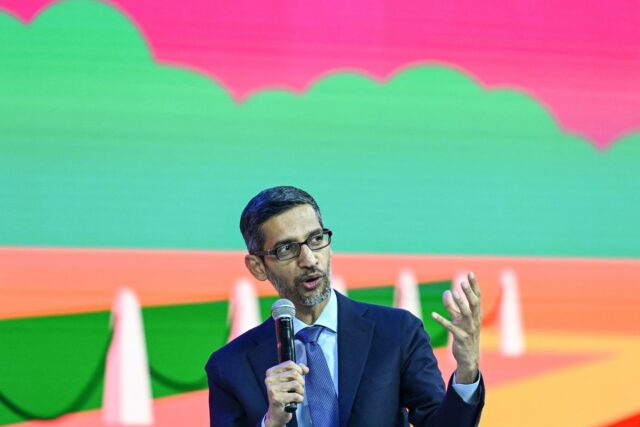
[328,318]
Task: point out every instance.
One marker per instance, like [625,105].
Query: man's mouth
[312,281]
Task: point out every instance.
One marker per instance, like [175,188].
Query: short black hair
[269,203]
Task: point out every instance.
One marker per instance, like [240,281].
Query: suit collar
[265,355]
[354,339]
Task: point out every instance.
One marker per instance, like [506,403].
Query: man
[357,364]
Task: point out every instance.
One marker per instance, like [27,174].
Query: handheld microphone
[283,312]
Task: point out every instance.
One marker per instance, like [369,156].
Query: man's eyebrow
[291,240]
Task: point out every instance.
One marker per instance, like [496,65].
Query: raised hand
[466,318]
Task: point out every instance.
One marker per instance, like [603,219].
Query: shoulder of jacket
[241,345]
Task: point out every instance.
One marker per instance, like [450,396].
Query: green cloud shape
[102,147]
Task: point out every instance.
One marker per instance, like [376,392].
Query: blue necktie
[321,395]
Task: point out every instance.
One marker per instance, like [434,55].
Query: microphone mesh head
[282,308]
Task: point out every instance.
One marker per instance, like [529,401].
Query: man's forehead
[293,224]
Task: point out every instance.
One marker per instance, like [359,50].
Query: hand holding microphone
[285,381]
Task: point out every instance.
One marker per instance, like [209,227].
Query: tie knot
[310,334]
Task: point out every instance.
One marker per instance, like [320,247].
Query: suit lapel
[265,356]
[354,339]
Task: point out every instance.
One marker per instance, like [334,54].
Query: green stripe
[45,361]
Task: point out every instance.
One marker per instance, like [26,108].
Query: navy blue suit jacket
[387,374]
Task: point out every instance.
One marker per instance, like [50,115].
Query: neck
[310,313]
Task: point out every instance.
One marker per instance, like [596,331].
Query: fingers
[450,305]
[286,372]
[474,283]
[456,331]
[285,377]
[463,307]
[286,366]
[461,303]
[279,397]
[285,383]
[472,291]
[285,389]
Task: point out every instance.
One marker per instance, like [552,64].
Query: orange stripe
[558,293]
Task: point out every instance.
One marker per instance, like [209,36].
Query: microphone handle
[286,349]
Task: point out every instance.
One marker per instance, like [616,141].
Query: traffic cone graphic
[511,328]
[338,284]
[244,312]
[406,295]
[127,390]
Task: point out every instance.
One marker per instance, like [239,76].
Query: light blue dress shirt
[328,341]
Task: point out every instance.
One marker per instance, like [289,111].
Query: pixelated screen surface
[437,137]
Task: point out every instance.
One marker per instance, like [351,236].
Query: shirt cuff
[467,392]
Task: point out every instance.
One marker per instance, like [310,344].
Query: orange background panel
[557,293]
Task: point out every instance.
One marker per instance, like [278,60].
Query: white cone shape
[406,295]
[338,284]
[127,390]
[244,312]
[511,329]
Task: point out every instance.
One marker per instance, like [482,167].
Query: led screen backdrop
[437,137]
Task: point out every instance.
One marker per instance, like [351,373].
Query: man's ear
[256,266]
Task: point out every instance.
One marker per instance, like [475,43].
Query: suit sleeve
[224,408]
[422,390]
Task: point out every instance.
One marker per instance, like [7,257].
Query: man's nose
[307,257]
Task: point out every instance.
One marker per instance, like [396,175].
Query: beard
[296,292]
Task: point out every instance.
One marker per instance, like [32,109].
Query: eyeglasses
[292,250]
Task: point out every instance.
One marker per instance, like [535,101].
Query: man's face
[304,280]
